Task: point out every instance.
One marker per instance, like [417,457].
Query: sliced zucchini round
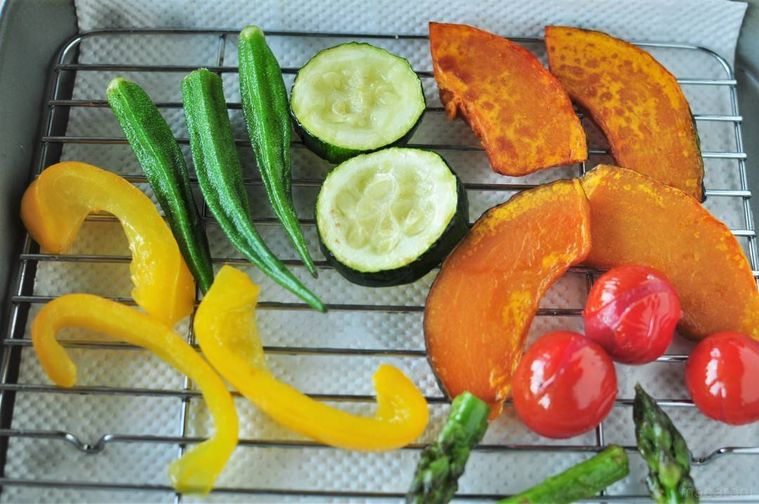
[389,217]
[355,98]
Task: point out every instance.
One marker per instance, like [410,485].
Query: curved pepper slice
[197,470]
[226,331]
[55,205]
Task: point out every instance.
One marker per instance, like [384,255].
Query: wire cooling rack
[711,87]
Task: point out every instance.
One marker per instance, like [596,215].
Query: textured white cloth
[713,24]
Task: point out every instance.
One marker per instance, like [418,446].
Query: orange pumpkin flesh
[637,103]
[522,115]
[636,220]
[483,300]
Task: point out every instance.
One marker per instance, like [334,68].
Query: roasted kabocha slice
[637,220]
[483,300]
[519,110]
[635,100]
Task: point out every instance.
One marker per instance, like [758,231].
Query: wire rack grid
[61,106]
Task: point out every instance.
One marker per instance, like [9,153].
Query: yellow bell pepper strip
[55,205]
[226,330]
[197,470]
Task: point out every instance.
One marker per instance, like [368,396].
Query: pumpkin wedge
[522,115]
[637,103]
[636,220]
[483,300]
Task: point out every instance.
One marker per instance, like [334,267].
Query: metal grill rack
[59,104]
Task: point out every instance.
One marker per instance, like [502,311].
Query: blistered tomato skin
[722,376]
[632,312]
[564,385]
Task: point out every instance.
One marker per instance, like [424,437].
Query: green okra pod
[267,115]
[164,165]
[219,172]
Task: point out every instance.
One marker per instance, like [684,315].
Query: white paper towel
[713,24]
[709,23]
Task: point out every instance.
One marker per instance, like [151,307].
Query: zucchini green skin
[335,153]
[332,153]
[164,165]
[266,111]
[457,227]
[220,175]
[698,146]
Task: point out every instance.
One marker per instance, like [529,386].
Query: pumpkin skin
[636,220]
[635,100]
[520,112]
[480,307]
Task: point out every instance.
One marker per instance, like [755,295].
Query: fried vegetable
[483,300]
[162,161]
[581,481]
[225,327]
[664,449]
[519,110]
[635,100]
[219,172]
[721,376]
[442,463]
[55,205]
[355,98]
[389,217]
[267,115]
[198,469]
[636,220]
[632,312]
[565,385]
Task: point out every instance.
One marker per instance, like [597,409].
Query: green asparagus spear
[581,481]
[442,463]
[663,448]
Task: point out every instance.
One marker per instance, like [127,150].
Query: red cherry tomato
[564,385]
[722,376]
[632,312]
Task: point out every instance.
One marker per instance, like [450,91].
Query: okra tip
[318,306]
[311,267]
[251,31]
[197,71]
[200,73]
[115,83]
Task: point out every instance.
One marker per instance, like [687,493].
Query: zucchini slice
[355,98]
[389,217]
